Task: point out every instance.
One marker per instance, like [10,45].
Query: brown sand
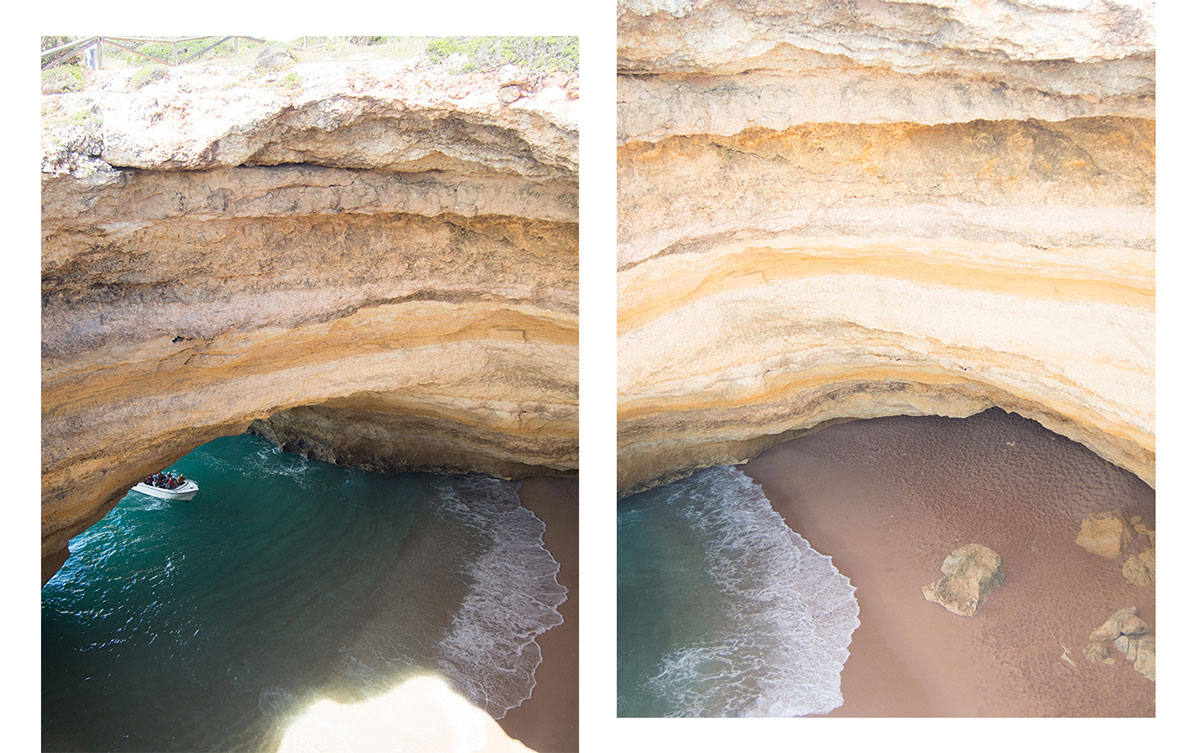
[889,498]
[549,721]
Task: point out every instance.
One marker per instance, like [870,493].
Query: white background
[594,23]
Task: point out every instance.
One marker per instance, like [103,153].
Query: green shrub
[163,50]
[49,43]
[64,78]
[56,115]
[289,81]
[488,53]
[154,49]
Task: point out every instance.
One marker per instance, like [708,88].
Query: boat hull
[185,492]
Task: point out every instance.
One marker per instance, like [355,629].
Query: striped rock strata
[831,211]
[375,265]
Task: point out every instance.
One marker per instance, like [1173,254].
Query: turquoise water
[207,625]
[722,610]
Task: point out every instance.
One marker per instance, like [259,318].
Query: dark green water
[722,610]
[208,624]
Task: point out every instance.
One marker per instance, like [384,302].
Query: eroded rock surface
[1097,652]
[969,574]
[849,210]
[1124,622]
[1138,570]
[1142,654]
[1107,534]
[379,263]
[1129,635]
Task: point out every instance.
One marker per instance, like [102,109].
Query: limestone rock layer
[830,211]
[373,264]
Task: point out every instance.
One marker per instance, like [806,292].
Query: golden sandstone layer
[852,210]
[378,268]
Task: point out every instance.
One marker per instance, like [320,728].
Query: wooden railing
[62,53]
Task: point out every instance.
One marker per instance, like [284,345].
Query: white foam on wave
[269,460]
[789,613]
[490,654]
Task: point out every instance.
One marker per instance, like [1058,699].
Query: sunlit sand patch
[421,714]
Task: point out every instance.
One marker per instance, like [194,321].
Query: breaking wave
[780,638]
[515,585]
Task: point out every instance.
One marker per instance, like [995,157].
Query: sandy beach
[549,721]
[889,498]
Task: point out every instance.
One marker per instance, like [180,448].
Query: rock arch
[831,211]
[380,270]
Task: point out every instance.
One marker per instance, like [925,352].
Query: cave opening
[287,583]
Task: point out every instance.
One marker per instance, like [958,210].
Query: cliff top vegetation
[482,53]
[459,54]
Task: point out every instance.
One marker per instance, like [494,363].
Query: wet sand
[549,721]
[889,498]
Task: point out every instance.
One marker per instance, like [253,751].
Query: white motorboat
[184,491]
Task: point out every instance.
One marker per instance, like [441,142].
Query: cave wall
[830,211]
[377,266]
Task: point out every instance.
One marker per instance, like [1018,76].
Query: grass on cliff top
[55,113]
[467,54]
[462,54]
[304,49]
[64,78]
[163,50]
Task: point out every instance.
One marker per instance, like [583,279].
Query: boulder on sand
[1105,533]
[1139,569]
[1128,633]
[1123,622]
[1142,656]
[1096,651]
[969,574]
